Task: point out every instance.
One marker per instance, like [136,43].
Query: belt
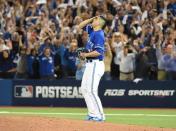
[126,72]
[161,69]
[91,60]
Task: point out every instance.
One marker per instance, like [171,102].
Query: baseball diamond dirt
[41,123]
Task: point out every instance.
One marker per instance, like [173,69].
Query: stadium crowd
[39,38]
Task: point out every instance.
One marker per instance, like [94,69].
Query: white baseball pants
[89,86]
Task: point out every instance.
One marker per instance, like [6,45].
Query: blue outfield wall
[67,93]
[5,92]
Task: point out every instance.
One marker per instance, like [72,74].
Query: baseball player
[94,66]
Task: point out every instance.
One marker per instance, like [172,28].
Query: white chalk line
[83,114]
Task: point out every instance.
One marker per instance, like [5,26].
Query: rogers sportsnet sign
[122,92]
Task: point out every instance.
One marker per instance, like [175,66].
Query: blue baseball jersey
[46,66]
[30,60]
[95,41]
[7,64]
[71,59]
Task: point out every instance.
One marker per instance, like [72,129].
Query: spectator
[70,56]
[107,61]
[32,64]
[38,24]
[80,64]
[46,64]
[168,61]
[171,6]
[7,65]
[160,52]
[142,63]
[21,62]
[127,60]
[57,58]
[2,45]
[173,65]
[61,47]
[151,54]
[47,43]
[117,46]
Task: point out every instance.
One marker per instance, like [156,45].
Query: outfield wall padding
[6,92]
[67,93]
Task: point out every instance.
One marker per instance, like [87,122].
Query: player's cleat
[90,118]
[97,119]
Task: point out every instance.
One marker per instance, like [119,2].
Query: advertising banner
[67,93]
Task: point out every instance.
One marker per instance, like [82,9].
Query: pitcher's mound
[36,123]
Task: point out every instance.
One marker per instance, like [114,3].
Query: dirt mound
[36,123]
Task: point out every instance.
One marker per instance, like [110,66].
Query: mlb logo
[23,91]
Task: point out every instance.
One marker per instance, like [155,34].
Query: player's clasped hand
[82,55]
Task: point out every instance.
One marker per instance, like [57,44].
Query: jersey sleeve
[88,29]
[99,43]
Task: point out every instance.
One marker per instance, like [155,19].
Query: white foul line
[82,114]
